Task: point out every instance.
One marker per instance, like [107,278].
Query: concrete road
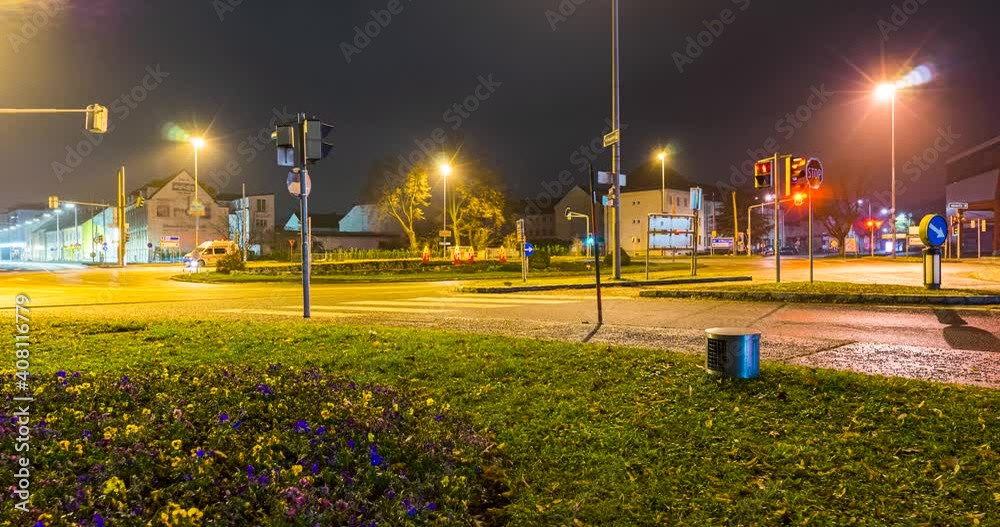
[955,345]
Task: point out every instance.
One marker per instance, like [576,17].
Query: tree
[473,184]
[839,216]
[405,201]
[484,216]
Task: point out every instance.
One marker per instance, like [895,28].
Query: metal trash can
[733,353]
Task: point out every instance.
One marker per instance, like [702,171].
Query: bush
[626,259]
[231,262]
[540,260]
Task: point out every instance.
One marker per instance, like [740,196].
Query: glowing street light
[198,143]
[662,156]
[887,92]
[446,170]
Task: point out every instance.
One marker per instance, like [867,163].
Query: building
[163,229]
[637,205]
[973,177]
[367,218]
[539,218]
[255,216]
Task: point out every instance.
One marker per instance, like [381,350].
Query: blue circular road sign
[934,230]
[529,249]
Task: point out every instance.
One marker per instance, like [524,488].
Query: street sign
[814,173]
[444,234]
[958,205]
[851,246]
[291,243]
[170,238]
[604,178]
[933,230]
[529,249]
[723,243]
[295,185]
[612,138]
[671,232]
[520,231]
[197,209]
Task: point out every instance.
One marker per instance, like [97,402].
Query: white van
[208,254]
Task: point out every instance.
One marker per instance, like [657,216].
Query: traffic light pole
[776,171]
[121,217]
[305,224]
[616,152]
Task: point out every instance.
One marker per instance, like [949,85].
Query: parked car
[788,251]
[208,254]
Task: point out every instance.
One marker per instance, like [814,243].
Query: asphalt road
[955,345]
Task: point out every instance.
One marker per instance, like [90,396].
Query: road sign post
[814,180]
[597,252]
[933,233]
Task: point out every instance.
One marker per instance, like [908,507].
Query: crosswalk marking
[286,312]
[415,306]
[381,309]
[425,304]
[490,300]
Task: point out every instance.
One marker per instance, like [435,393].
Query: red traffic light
[762,168]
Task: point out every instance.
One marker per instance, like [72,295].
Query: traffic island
[534,288]
[486,430]
[834,293]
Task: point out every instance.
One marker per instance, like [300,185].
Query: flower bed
[246,446]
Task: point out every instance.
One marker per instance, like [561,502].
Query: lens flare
[922,74]
[173,132]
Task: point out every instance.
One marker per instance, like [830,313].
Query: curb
[822,298]
[641,283]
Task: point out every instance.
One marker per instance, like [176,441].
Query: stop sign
[814,173]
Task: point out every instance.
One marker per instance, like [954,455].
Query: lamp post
[663,181]
[445,169]
[198,143]
[570,215]
[884,92]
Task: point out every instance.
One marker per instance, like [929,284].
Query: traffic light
[97,119]
[763,172]
[284,140]
[53,202]
[317,149]
[140,202]
[795,176]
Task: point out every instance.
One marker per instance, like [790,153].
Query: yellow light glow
[885,91]
[662,156]
[445,169]
[198,143]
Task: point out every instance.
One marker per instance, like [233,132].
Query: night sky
[225,70]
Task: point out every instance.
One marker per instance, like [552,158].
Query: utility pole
[121,217]
[616,152]
[736,226]
[245,223]
[777,207]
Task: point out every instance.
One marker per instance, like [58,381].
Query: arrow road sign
[529,250]
[933,230]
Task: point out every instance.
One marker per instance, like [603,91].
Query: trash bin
[733,353]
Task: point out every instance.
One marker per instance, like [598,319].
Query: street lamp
[198,143]
[570,216]
[446,170]
[76,229]
[59,244]
[887,92]
[662,156]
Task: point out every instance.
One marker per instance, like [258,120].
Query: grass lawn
[543,433]
[840,288]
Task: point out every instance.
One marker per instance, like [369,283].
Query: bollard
[733,353]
